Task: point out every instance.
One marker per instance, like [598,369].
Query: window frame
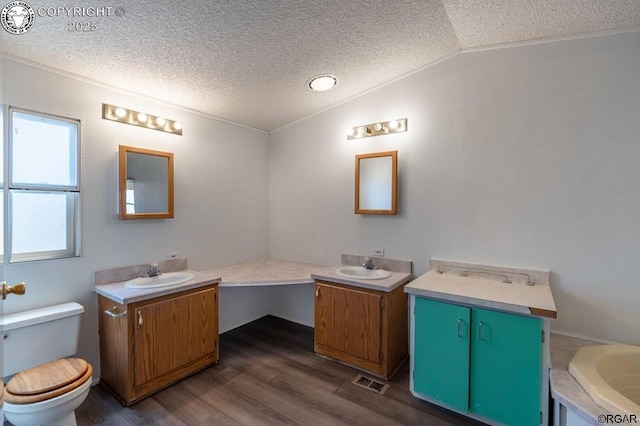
[9,188]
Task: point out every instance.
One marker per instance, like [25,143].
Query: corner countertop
[564,388]
[264,272]
[273,272]
[486,289]
[119,293]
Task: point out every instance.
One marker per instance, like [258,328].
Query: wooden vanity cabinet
[364,328]
[157,342]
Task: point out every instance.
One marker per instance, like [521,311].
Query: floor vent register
[370,384]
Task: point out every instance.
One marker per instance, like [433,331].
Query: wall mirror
[376,183]
[145,182]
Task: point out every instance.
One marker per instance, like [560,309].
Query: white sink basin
[166,279]
[362,273]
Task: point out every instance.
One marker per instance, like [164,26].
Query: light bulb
[322,83]
[351,132]
[393,124]
[378,127]
[142,117]
[120,112]
[160,121]
[177,125]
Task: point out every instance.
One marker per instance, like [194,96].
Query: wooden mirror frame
[122,184]
[394,183]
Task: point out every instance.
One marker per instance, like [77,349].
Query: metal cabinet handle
[480,329]
[140,319]
[317,292]
[111,313]
[460,328]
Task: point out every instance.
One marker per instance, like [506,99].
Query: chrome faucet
[154,270]
[368,263]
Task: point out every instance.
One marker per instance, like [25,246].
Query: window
[42,195]
[130,196]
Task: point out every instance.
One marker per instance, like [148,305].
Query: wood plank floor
[268,374]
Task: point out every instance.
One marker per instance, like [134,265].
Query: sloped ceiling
[249,61]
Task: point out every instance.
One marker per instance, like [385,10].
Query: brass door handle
[18,289]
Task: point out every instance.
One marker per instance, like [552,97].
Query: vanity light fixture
[377,129]
[321,83]
[140,119]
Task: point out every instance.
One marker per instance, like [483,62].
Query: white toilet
[47,387]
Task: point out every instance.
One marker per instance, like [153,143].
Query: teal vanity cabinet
[477,341]
[481,361]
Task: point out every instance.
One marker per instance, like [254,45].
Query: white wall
[293,303]
[524,156]
[221,190]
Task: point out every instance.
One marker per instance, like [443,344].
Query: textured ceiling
[248,61]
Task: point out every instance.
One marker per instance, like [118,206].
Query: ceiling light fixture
[377,129]
[140,119]
[321,83]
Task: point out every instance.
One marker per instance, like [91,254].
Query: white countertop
[283,272]
[124,295]
[263,272]
[483,291]
[395,280]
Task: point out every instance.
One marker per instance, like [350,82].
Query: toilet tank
[38,336]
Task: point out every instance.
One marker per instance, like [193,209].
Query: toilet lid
[47,381]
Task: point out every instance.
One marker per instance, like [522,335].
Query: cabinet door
[144,356]
[506,359]
[174,332]
[349,321]
[441,351]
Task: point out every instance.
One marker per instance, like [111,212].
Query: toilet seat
[47,381]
